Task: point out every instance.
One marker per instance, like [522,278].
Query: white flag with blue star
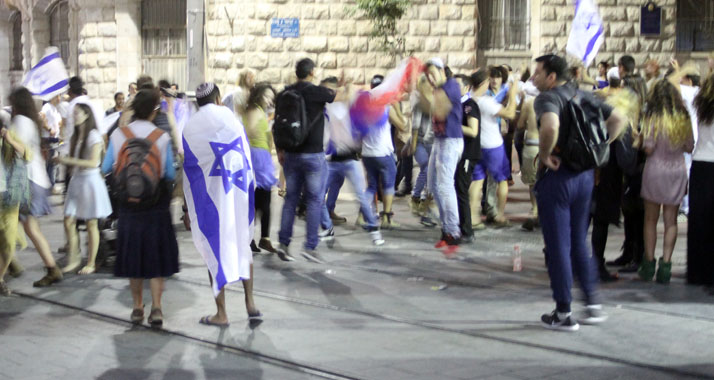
[586,34]
[219,185]
[49,77]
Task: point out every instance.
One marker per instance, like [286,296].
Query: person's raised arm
[442,105]
[509,111]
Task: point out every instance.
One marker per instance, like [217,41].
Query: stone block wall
[238,36]
[96,49]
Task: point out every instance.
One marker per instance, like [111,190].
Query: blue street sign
[285,28]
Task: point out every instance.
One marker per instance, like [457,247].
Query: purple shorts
[495,162]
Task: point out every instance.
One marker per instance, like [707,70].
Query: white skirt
[87,196]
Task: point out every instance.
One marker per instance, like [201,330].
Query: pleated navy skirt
[146,242]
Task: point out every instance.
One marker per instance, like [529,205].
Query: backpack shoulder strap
[127,132]
[155,135]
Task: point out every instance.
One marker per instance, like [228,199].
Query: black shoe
[553,322]
[593,315]
[402,193]
[283,253]
[467,239]
[529,224]
[606,276]
[619,262]
[254,247]
[630,268]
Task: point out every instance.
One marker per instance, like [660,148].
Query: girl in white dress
[87,195]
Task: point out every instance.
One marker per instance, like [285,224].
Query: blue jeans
[421,155]
[337,171]
[303,171]
[445,155]
[564,210]
[380,171]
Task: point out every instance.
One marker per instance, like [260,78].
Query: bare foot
[88,269]
[72,265]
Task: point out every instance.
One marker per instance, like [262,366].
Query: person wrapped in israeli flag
[586,34]
[219,188]
[48,78]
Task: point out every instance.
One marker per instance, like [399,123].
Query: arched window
[163,34]
[505,24]
[16,56]
[59,29]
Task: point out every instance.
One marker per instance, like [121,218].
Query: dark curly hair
[256,94]
[23,104]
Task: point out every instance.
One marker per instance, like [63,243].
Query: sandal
[156,318]
[256,316]
[207,321]
[137,315]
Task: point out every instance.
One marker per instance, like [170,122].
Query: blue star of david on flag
[239,178]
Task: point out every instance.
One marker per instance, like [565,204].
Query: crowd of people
[459,129]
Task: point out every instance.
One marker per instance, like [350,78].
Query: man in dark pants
[564,196]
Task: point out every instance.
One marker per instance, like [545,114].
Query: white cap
[613,73]
[436,61]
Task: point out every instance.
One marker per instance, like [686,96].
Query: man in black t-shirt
[304,167]
[564,196]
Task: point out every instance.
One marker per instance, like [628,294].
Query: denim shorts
[380,170]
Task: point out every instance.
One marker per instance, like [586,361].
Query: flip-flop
[207,321]
[255,317]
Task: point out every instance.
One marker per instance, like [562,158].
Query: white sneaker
[376,238]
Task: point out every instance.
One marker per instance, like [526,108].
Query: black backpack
[585,140]
[291,128]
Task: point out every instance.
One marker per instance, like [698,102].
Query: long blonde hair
[665,112]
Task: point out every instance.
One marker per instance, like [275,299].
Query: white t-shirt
[688,95]
[339,127]
[54,118]
[26,131]
[704,150]
[490,128]
[379,142]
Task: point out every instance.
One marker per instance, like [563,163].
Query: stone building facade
[110,43]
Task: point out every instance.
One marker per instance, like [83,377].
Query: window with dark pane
[504,24]
[163,32]
[695,25]
[16,56]
[59,29]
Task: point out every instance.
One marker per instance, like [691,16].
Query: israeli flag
[49,77]
[586,34]
[219,185]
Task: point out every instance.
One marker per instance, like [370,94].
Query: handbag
[17,190]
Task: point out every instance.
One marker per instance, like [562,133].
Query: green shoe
[647,270]
[664,272]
